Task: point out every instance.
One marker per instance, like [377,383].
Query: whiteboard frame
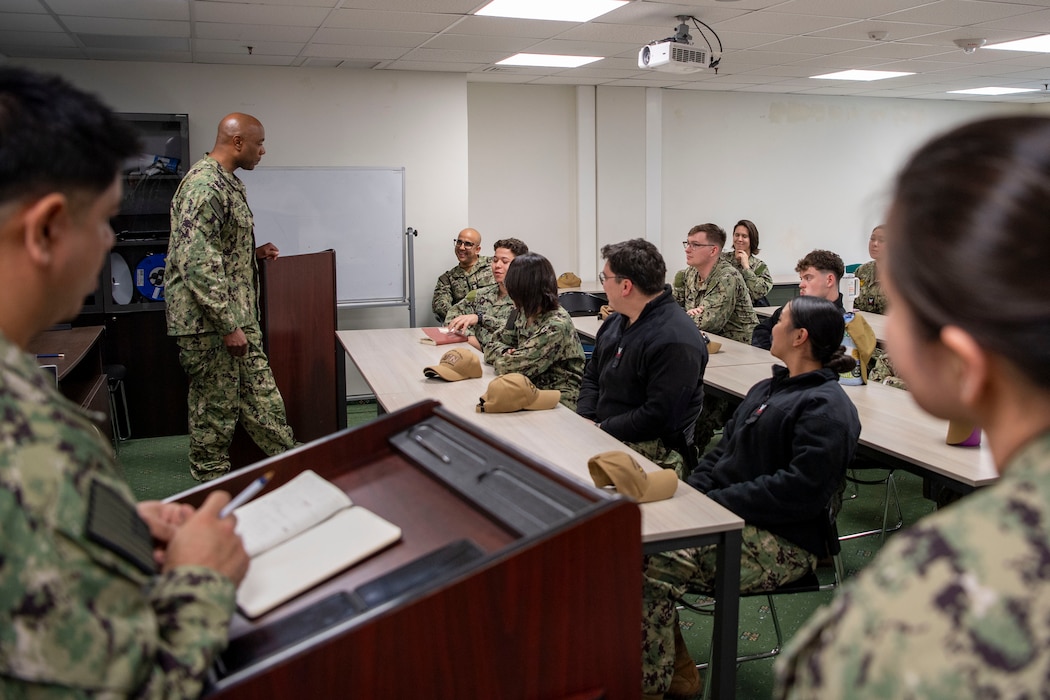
[262,186]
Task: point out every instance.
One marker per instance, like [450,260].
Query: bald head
[239,142]
[468,247]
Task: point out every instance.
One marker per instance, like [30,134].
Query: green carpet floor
[158,467]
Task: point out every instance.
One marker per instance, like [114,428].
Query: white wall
[811,172]
[522,181]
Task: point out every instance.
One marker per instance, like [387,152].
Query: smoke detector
[970,45]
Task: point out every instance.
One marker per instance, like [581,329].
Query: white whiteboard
[357,212]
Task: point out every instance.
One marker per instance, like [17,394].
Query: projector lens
[645,55]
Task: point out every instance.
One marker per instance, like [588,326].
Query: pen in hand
[247,494]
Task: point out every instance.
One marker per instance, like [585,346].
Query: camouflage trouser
[713,418]
[766,562]
[223,390]
[656,452]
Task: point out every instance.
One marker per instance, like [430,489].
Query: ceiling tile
[251,32]
[391,21]
[258,14]
[21,22]
[126,27]
[126,9]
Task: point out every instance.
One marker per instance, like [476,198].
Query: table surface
[73,343]
[392,361]
[731,352]
[876,321]
[891,423]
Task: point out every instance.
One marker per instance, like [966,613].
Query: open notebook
[301,534]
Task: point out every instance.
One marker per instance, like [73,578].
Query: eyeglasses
[602,277]
[690,244]
[463,244]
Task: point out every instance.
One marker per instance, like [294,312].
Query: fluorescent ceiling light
[563,10]
[859,75]
[548,60]
[1040,44]
[991,91]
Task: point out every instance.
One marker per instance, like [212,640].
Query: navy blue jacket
[646,380]
[783,455]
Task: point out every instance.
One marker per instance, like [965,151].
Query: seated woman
[744,258]
[959,604]
[486,314]
[781,460]
[871,297]
[539,340]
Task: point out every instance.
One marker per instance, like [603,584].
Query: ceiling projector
[672,57]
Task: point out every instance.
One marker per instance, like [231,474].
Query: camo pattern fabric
[545,349]
[958,606]
[726,302]
[493,309]
[77,618]
[454,285]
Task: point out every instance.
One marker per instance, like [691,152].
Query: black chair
[116,375]
[891,495]
[828,576]
[581,303]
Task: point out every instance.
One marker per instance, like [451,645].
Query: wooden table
[731,353]
[392,362]
[893,428]
[80,375]
[876,321]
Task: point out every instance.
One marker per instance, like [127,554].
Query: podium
[297,314]
[549,606]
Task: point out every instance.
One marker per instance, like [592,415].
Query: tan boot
[686,680]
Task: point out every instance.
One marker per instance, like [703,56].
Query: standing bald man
[212,303]
[473,272]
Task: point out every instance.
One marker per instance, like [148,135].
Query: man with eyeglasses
[711,290]
[473,272]
[644,383]
[714,294]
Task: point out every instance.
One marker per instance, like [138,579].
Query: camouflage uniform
[882,370]
[727,303]
[757,279]
[546,350]
[77,618]
[956,607]
[457,283]
[211,290]
[766,562]
[871,297]
[492,310]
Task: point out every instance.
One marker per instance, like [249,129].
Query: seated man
[644,383]
[712,291]
[819,273]
[782,458]
[485,316]
[134,602]
[471,274]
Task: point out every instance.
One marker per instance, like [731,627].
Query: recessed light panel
[1039,44]
[548,60]
[991,91]
[563,10]
[860,75]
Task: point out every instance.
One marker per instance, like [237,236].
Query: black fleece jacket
[646,380]
[783,454]
[762,336]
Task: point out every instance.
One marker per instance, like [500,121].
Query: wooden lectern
[297,312]
[548,606]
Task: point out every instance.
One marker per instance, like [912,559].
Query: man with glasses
[473,272]
[644,383]
[711,290]
[713,293]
